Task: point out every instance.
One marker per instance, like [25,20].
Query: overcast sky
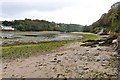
[83,12]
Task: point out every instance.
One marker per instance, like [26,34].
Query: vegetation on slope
[110,21]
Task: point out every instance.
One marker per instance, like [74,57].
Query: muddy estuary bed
[31,37]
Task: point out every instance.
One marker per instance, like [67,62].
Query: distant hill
[109,22]
[70,27]
[42,25]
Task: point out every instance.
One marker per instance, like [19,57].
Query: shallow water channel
[36,37]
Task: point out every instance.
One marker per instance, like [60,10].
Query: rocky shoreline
[69,61]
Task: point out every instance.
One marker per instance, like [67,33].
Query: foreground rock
[69,61]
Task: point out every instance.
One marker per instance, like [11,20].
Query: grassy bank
[27,50]
[87,36]
[11,52]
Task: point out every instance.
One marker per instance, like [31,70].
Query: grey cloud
[13,8]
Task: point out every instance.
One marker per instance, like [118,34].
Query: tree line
[41,25]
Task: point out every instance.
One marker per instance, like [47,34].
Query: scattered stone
[99,49]
[17,60]
[106,67]
[55,55]
[5,67]
[115,54]
[35,70]
[13,75]
[102,58]
[67,71]
[53,61]
[87,50]
[75,53]
[96,54]
[60,75]
[75,60]
[55,58]
[103,64]
[73,49]
[58,61]
[86,63]
[40,65]
[22,76]
[98,59]
[87,53]
[60,54]
[53,68]
[85,68]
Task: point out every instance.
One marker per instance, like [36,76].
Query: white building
[9,28]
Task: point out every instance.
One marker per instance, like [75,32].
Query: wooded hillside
[110,21]
[42,25]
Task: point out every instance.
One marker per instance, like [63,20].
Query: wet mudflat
[9,38]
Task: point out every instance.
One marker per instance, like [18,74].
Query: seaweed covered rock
[102,42]
[118,47]
[108,41]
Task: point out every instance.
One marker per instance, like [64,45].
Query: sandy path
[71,60]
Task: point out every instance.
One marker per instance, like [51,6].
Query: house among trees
[6,28]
